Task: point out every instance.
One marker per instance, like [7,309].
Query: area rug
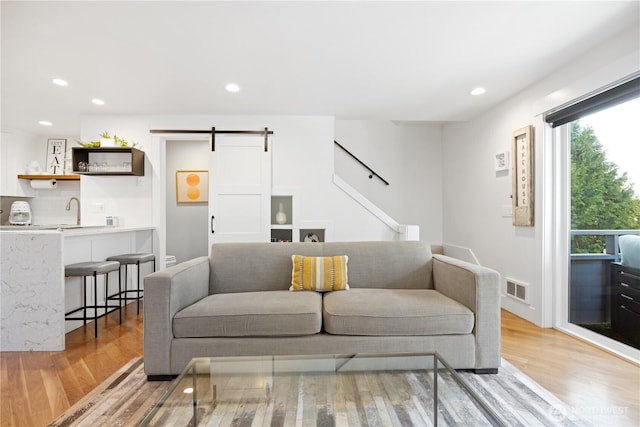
[126,398]
[123,399]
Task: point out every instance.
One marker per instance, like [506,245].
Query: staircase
[404,232]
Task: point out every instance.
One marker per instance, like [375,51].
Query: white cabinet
[16,150]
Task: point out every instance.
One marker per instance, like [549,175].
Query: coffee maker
[20,213]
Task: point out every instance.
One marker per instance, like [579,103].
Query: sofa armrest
[165,293]
[478,288]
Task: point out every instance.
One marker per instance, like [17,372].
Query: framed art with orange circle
[192,186]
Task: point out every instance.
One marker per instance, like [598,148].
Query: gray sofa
[401,299]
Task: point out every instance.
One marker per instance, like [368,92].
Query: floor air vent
[518,290]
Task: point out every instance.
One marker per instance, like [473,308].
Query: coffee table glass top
[349,390]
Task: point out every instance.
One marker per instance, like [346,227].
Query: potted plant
[106,140]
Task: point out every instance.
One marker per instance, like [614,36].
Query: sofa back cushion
[386,265]
[250,267]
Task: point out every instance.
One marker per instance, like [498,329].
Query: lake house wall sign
[523,173]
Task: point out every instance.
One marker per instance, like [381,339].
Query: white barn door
[240,189]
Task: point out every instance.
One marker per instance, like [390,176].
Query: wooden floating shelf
[282,226]
[108,155]
[69,177]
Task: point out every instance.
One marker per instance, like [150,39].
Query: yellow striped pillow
[320,274]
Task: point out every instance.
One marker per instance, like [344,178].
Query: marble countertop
[69,230]
[35,293]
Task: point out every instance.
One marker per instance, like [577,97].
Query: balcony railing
[611,241]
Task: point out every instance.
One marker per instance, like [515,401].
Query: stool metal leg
[137,292]
[84,294]
[120,291]
[126,284]
[138,289]
[95,299]
[120,296]
[106,291]
[106,296]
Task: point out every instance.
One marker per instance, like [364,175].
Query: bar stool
[131,259]
[93,268]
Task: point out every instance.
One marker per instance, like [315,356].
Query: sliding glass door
[604,204]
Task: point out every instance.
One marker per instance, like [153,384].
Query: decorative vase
[281,217]
[107,142]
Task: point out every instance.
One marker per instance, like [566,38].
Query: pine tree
[601,198]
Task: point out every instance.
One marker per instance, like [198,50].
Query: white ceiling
[354,60]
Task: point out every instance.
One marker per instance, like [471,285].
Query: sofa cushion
[257,266]
[394,312]
[322,274]
[388,265]
[266,313]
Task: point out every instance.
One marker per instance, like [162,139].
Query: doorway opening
[186,223]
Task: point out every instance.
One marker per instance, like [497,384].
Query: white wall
[302,159]
[185,239]
[127,197]
[475,196]
[408,156]
[49,206]
[17,149]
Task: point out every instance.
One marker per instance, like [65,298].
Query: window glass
[605,203]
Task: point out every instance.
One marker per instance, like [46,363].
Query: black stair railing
[372,173]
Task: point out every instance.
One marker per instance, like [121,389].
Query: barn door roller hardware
[266,132]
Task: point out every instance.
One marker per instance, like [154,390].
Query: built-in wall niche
[312,235]
[282,210]
[282,218]
[314,231]
[292,229]
[281,235]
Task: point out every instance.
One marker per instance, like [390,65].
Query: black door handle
[212,218]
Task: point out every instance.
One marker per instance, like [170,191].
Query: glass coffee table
[349,390]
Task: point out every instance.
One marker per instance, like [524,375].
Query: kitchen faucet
[78,205]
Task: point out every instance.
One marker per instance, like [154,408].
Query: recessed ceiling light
[478,91]
[232,87]
[97,101]
[60,82]
[45,123]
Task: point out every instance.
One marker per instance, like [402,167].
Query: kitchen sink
[71,226]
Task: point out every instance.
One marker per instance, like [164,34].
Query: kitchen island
[34,292]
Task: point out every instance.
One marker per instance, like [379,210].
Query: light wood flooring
[590,380]
[38,386]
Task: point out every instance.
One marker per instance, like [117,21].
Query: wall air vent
[518,290]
